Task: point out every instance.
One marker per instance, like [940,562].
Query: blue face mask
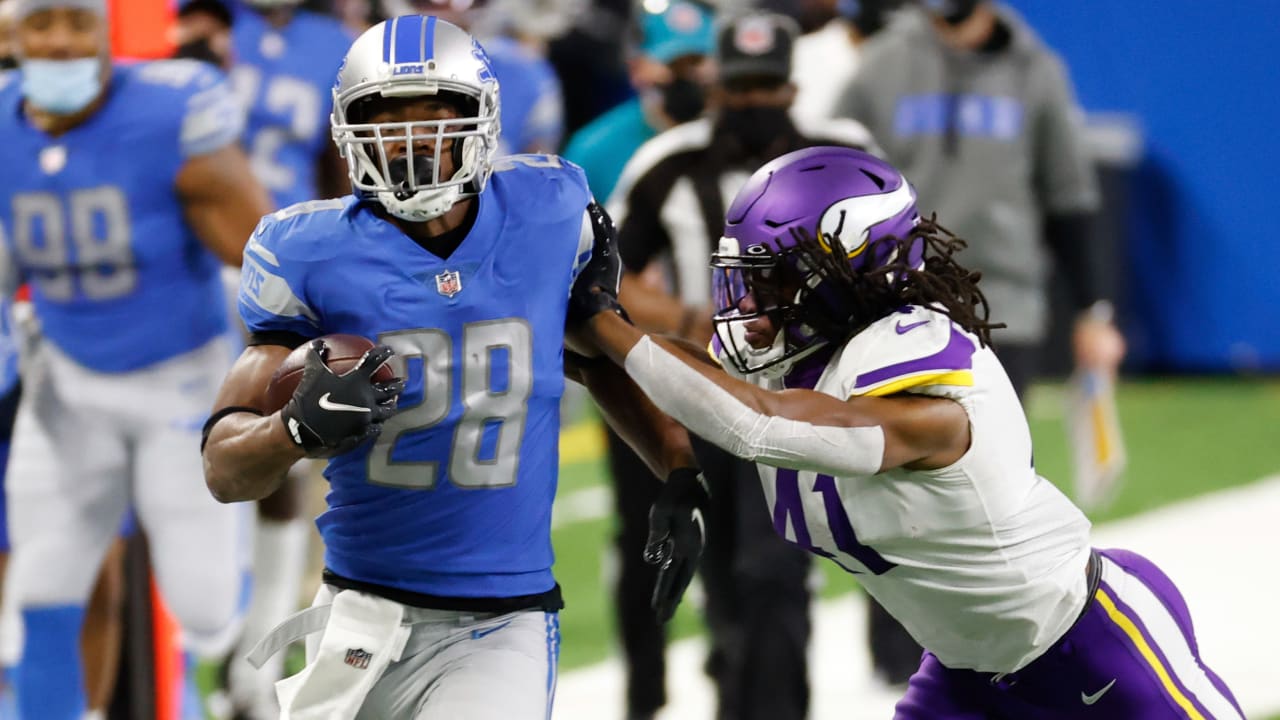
[62,87]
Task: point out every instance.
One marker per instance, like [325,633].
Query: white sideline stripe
[1219,549]
[593,503]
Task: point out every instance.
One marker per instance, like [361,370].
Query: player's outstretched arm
[222,200]
[247,452]
[799,429]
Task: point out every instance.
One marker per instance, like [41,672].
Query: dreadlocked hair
[864,296]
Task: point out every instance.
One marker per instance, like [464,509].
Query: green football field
[1185,437]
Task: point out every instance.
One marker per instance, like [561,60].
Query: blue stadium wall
[1203,254]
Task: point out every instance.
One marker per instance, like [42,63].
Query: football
[344,352]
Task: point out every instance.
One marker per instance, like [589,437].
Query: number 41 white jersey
[982,561]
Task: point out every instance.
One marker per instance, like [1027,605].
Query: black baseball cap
[756,45]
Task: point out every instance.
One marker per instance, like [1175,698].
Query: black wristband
[214,418]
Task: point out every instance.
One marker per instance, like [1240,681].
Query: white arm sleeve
[718,417]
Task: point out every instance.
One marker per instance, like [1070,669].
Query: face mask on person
[683,100]
[755,127]
[953,12]
[200,49]
[61,87]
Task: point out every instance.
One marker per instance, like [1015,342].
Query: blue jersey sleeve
[210,117]
[272,284]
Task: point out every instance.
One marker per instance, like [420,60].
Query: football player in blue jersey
[284,60]
[438,596]
[124,187]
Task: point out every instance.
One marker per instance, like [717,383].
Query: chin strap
[422,205]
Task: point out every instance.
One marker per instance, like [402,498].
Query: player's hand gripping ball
[334,393]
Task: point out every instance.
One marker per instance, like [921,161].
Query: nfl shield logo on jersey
[449,283]
[358,658]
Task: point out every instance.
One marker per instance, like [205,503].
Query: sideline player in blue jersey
[284,61]
[123,188]
[439,600]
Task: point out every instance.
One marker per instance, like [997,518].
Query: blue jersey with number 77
[454,499]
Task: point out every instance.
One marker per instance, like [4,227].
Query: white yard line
[1221,549]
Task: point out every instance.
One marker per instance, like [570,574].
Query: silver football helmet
[406,57]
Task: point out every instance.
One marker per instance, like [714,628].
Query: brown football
[344,352]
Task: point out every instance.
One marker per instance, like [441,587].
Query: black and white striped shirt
[670,201]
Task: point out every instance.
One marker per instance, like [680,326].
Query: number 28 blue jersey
[454,499]
[91,218]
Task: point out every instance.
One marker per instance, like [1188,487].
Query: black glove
[676,537]
[596,289]
[330,414]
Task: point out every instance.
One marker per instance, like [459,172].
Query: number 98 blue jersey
[454,499]
[92,219]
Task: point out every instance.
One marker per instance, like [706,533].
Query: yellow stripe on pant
[1140,642]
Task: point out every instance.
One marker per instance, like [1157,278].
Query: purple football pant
[1132,655]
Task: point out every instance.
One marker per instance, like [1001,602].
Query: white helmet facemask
[409,184]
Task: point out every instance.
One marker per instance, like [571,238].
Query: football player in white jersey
[890,440]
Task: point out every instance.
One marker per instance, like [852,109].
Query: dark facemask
[954,12]
[683,100]
[868,16]
[8,62]
[755,128]
[398,169]
[199,49]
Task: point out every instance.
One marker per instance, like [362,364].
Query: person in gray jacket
[968,102]
[972,105]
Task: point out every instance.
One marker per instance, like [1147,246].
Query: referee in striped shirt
[669,207]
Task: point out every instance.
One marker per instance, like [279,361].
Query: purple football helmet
[776,256]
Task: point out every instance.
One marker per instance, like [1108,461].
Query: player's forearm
[247,457]
[749,422]
[661,442]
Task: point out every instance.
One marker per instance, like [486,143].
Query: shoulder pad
[196,95]
[547,184]
[911,349]
[191,75]
[300,232]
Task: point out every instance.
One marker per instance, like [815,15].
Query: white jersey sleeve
[914,350]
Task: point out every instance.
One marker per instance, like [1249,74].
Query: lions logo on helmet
[409,57]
